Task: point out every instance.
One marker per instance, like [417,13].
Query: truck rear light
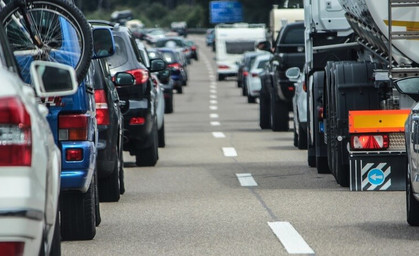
[73,127]
[74,154]
[320,113]
[223,67]
[15,133]
[370,142]
[11,248]
[255,75]
[137,120]
[102,111]
[140,75]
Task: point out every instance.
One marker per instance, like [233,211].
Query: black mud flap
[378,172]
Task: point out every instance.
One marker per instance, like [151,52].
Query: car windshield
[121,55]
[169,57]
[235,47]
[169,43]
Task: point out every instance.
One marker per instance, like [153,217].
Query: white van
[231,41]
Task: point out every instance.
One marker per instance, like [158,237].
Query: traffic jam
[111,132]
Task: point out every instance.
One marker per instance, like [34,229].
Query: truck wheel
[321,164]
[264,112]
[109,186]
[150,155]
[162,137]
[311,156]
[302,137]
[412,205]
[78,215]
[279,114]
[251,99]
[295,138]
[341,170]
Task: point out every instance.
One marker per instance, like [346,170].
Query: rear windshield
[262,63]
[121,54]
[239,47]
[293,36]
[169,57]
[169,43]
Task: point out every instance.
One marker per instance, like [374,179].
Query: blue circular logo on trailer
[376,177]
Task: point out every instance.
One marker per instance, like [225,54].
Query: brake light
[291,88]
[254,75]
[15,133]
[175,65]
[193,48]
[370,142]
[304,86]
[74,154]
[245,73]
[102,111]
[11,248]
[141,75]
[223,67]
[137,120]
[72,127]
[320,112]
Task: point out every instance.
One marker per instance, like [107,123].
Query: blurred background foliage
[162,12]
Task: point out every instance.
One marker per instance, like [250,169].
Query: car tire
[98,218]
[162,137]
[78,214]
[150,155]
[56,239]
[279,114]
[302,137]
[264,113]
[412,205]
[244,89]
[179,90]
[121,176]
[168,107]
[109,186]
[251,99]
[221,77]
[295,138]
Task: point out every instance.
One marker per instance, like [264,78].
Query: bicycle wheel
[51,30]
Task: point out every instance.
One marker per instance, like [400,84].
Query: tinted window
[262,63]
[169,43]
[121,55]
[293,36]
[239,47]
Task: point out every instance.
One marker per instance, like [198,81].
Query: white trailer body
[281,17]
[231,41]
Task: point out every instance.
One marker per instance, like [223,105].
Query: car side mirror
[122,79]
[157,65]
[293,73]
[408,86]
[103,43]
[52,79]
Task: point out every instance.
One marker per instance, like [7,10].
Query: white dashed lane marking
[246,180]
[215,123]
[213,107]
[218,135]
[212,96]
[213,102]
[229,152]
[290,238]
[213,115]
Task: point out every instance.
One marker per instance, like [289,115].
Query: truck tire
[78,214]
[109,186]
[150,155]
[321,165]
[311,156]
[412,205]
[264,112]
[279,114]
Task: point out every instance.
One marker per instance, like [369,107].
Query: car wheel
[109,186]
[121,176]
[251,99]
[264,112]
[180,90]
[150,155]
[221,77]
[279,114]
[56,239]
[244,89]
[412,205]
[168,107]
[98,218]
[78,214]
[162,137]
[302,137]
[295,138]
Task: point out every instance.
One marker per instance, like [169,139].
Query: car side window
[136,50]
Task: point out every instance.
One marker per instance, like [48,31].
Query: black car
[137,96]
[288,52]
[175,42]
[109,160]
[166,81]
[176,62]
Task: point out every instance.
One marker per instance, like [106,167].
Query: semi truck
[279,17]
[355,51]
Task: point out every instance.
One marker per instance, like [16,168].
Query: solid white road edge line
[246,180]
[218,135]
[290,238]
[229,152]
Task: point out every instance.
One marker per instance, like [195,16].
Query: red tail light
[320,112]
[304,86]
[137,120]
[254,75]
[15,133]
[73,127]
[175,65]
[223,67]
[74,154]
[245,73]
[369,142]
[141,75]
[291,88]
[102,111]
[11,248]
[193,48]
